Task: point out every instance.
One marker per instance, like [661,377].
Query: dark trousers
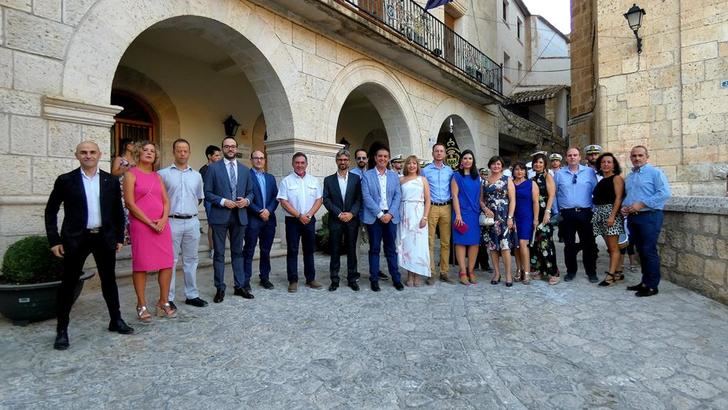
[644,229]
[295,232]
[349,231]
[265,232]
[237,233]
[379,232]
[573,222]
[73,262]
[482,261]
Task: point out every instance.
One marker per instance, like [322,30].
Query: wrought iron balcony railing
[419,26]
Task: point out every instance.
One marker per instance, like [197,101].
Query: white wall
[549,55]
[509,42]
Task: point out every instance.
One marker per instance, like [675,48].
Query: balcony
[405,35]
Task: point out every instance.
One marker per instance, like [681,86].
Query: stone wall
[694,245]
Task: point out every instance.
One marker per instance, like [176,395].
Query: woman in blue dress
[525,216]
[466,192]
[499,197]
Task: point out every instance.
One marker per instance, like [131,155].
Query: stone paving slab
[573,345]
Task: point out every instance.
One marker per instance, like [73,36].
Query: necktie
[233,180]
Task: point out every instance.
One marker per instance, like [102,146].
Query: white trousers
[186,239]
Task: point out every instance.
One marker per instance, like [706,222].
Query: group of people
[402,214]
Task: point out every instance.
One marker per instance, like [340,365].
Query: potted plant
[29,283]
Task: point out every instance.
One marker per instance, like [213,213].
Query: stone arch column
[110,26]
[386,94]
[135,82]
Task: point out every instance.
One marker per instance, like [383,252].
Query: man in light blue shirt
[647,192]
[574,186]
[438,175]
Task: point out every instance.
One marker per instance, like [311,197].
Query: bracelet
[510,216]
[548,211]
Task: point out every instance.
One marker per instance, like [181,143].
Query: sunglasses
[361,158]
[573,180]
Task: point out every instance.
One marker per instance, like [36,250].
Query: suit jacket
[259,202]
[371,195]
[68,190]
[333,201]
[217,187]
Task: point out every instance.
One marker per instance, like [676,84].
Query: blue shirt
[649,186]
[357,171]
[439,180]
[574,190]
[260,175]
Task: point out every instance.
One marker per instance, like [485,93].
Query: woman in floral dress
[499,202]
[543,251]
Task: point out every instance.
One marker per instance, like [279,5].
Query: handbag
[462,228]
[485,220]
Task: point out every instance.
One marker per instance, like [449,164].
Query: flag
[431,4]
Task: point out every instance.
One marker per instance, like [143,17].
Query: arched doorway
[136,122]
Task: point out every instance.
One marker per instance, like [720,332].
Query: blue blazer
[371,195]
[217,187]
[259,203]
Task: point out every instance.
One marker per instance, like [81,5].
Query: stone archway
[386,94]
[464,124]
[111,25]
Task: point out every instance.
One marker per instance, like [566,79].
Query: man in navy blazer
[261,221]
[342,198]
[381,199]
[228,190]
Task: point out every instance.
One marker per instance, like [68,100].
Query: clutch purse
[485,220]
[462,228]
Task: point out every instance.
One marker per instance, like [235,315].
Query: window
[506,63]
[519,26]
[505,11]
[520,70]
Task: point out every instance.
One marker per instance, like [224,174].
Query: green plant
[30,260]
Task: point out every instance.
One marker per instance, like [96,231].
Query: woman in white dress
[412,239]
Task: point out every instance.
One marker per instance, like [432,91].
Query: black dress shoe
[196,302]
[333,287]
[593,278]
[569,277]
[172,305]
[375,287]
[398,286]
[266,284]
[244,293]
[635,288]
[645,292]
[219,296]
[354,286]
[247,287]
[120,327]
[383,276]
[61,342]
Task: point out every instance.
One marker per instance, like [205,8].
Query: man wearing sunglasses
[574,186]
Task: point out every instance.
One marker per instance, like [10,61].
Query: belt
[182,216]
[576,209]
[93,231]
[448,202]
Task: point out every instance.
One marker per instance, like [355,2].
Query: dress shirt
[358,171]
[184,188]
[382,178]
[91,186]
[260,176]
[649,186]
[574,193]
[439,180]
[343,181]
[300,192]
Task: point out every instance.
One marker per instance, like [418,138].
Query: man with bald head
[93,223]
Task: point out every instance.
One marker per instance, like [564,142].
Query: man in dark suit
[342,198]
[228,190]
[261,221]
[93,223]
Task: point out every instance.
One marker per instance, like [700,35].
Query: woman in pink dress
[151,245]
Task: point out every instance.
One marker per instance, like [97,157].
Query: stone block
[19,102]
[35,34]
[37,74]
[100,135]
[319,67]
[63,137]
[724,228]
[716,69]
[50,9]
[74,10]
[698,52]
[304,39]
[659,60]
[689,263]
[721,246]
[639,114]
[723,49]
[345,55]
[699,35]
[638,99]
[284,29]
[22,219]
[325,48]
[668,257]
[715,272]
[27,135]
[704,245]
[693,72]
[45,171]
[16,178]
[25,5]
[4,133]
[6,67]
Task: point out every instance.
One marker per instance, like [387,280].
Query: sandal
[554,279]
[619,275]
[518,275]
[166,310]
[143,314]
[473,279]
[536,276]
[526,278]
[610,279]
[464,278]
[410,279]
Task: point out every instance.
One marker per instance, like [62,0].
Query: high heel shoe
[473,279]
[509,284]
[493,281]
[143,314]
[167,311]
[526,278]
[464,278]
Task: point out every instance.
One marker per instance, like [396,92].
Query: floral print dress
[543,251]
[498,237]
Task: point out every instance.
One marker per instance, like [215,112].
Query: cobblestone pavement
[573,345]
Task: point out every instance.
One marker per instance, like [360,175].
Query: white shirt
[92,187]
[300,192]
[382,177]
[184,187]
[343,181]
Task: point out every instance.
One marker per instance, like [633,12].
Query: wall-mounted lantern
[231,126]
[634,19]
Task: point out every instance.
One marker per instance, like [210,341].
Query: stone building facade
[672,97]
[292,73]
